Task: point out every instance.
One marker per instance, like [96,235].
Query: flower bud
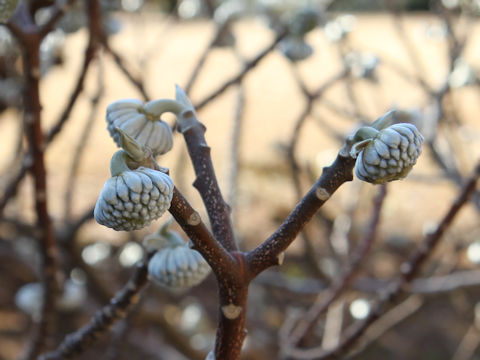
[146,127]
[175,264]
[390,154]
[133,198]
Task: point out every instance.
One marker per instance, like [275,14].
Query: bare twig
[117,309]
[81,146]
[246,69]
[323,301]
[332,178]
[408,271]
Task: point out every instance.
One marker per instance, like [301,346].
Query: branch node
[322,194]
[231,311]
[194,219]
[281,258]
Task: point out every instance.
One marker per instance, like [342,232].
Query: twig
[408,270]
[391,319]
[206,183]
[138,83]
[332,178]
[234,151]
[246,69]
[117,309]
[81,146]
[323,301]
[30,39]
[12,186]
[469,344]
[219,32]
[95,34]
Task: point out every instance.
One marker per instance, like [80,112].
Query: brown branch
[219,32]
[292,148]
[117,309]
[237,78]
[323,301]
[332,178]
[206,183]
[229,271]
[408,271]
[95,34]
[82,142]
[217,257]
[138,83]
[46,237]
[12,186]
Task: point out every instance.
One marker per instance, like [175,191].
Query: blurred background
[278,85]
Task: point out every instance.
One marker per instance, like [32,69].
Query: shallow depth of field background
[164,51]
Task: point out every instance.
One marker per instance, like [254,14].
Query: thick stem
[232,315]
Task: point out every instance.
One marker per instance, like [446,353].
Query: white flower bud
[177,265]
[390,154]
[132,199]
[141,122]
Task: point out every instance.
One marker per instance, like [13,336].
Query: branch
[217,257]
[46,237]
[95,34]
[333,176]
[102,321]
[323,301]
[138,83]
[237,78]
[206,182]
[408,270]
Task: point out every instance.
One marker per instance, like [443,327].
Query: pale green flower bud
[390,154]
[133,199]
[175,264]
[142,122]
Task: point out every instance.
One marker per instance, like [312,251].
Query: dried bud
[177,265]
[390,154]
[133,198]
[142,122]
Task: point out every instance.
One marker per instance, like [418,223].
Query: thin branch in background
[219,32]
[95,35]
[135,80]
[234,162]
[408,271]
[82,142]
[333,176]
[79,341]
[389,320]
[249,65]
[295,169]
[12,186]
[468,346]
[324,301]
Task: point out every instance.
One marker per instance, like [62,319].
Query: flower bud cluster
[132,199]
[390,154]
[146,127]
[175,264]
